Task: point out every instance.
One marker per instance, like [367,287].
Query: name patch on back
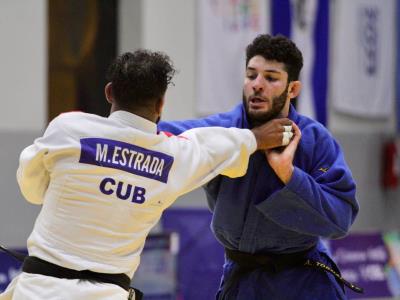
[126,157]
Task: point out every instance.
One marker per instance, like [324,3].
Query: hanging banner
[225,29]
[200,257]
[371,261]
[363,57]
[156,276]
[306,22]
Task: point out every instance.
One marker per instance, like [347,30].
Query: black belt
[247,263]
[338,276]
[36,265]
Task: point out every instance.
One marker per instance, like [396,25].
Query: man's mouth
[256,102]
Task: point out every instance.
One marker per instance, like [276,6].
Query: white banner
[363,57]
[306,22]
[303,25]
[225,29]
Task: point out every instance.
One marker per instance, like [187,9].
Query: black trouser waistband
[36,265]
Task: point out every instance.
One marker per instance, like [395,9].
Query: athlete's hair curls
[140,78]
[280,49]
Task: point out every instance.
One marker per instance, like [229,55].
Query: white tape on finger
[288,128]
[286,138]
[285,141]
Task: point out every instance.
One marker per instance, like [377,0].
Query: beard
[257,118]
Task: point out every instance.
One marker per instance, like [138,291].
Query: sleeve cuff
[253,141]
[296,180]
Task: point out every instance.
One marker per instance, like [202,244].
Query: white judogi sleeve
[201,154]
[33,174]
[207,152]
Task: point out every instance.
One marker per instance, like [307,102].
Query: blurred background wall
[28,28]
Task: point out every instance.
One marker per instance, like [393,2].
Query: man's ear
[294,89]
[109,93]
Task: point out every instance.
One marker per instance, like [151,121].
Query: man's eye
[271,79]
[251,76]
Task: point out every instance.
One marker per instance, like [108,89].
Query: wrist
[257,137]
[286,174]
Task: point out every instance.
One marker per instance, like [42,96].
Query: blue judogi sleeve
[319,200]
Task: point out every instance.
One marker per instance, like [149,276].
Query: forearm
[311,208]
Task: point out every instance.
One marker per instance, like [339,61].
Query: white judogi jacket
[104,183]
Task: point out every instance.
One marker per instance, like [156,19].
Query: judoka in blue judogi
[271,221]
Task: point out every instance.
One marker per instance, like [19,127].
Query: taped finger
[286,136]
[287,128]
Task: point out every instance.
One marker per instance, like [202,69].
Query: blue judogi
[257,213]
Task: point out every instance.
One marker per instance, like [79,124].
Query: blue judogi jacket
[258,213]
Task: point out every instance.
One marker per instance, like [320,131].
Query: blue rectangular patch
[126,157]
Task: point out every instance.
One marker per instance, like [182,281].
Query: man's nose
[258,84]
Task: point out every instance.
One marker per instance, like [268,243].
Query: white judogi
[103,184]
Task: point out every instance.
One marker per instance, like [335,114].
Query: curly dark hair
[140,78]
[278,48]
